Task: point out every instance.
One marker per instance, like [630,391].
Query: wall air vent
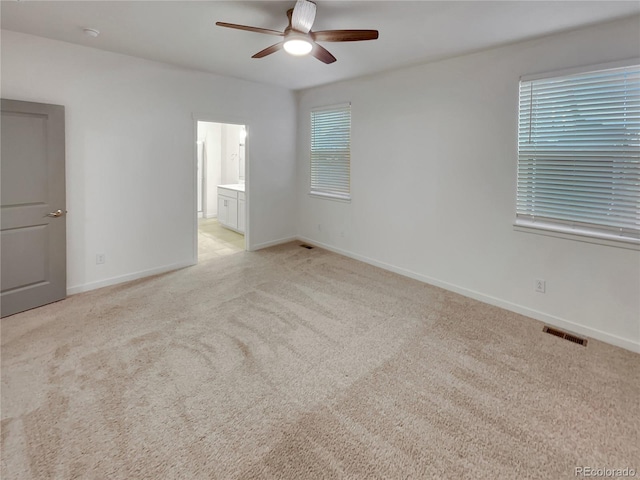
[565,335]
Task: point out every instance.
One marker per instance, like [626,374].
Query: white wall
[211,135]
[230,154]
[213,142]
[433,184]
[130,139]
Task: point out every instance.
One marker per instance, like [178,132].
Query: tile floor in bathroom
[215,241]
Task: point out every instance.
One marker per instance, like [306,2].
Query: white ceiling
[184,33]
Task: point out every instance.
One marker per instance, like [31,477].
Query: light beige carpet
[301,364]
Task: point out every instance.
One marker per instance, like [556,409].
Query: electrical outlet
[342,233]
[319,227]
[100,258]
[541,286]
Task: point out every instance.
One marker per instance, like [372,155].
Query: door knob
[56,214]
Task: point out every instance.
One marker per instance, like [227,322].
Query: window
[578,153]
[331,151]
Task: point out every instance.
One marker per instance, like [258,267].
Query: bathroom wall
[231,154]
[212,137]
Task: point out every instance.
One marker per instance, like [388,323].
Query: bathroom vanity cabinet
[231,207]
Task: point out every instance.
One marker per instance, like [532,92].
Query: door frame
[224,119]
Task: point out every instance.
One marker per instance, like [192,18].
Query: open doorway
[221,196]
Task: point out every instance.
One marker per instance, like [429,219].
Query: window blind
[331,151]
[578,153]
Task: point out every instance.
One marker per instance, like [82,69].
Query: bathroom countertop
[238,187]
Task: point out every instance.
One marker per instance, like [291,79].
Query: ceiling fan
[299,39]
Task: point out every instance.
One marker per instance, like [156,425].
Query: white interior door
[33,234]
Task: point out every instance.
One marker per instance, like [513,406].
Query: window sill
[328,196]
[569,233]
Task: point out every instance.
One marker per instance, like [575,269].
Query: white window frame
[587,231]
[322,187]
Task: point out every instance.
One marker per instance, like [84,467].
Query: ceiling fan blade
[250,29]
[304,13]
[344,35]
[322,54]
[268,50]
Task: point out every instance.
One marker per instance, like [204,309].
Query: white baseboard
[513,307]
[273,243]
[126,278]
[213,215]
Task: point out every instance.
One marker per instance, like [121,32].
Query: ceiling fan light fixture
[297,45]
[299,40]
